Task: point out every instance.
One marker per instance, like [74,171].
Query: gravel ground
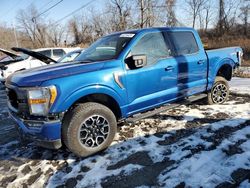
[190,146]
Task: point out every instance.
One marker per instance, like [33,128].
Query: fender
[214,70]
[62,106]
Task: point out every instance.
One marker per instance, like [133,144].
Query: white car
[54,53]
[28,59]
[71,56]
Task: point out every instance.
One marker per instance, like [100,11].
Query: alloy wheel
[94,131]
[219,93]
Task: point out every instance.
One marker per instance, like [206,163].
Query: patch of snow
[240,85]
[208,168]
[197,159]
[245,184]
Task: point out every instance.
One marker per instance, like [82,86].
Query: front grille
[18,100]
[12,96]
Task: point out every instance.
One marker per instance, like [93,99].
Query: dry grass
[241,73]
[246,63]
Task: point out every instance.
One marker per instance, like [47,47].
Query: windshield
[106,48]
[24,56]
[69,57]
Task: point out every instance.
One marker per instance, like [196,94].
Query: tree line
[213,18]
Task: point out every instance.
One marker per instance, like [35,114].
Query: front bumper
[47,134]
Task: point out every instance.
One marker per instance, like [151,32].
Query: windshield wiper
[84,61]
[87,60]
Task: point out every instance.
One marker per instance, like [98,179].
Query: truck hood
[35,76]
[8,53]
[13,58]
[34,54]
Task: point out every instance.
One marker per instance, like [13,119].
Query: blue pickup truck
[124,76]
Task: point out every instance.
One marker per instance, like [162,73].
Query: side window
[184,42]
[46,53]
[58,52]
[153,46]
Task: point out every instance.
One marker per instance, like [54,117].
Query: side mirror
[139,60]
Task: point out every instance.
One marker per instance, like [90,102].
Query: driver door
[148,86]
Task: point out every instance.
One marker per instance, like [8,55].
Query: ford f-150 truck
[123,76]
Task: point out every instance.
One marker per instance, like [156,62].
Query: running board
[164,108]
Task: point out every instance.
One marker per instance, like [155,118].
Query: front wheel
[219,92]
[89,128]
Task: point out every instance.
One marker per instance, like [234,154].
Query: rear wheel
[219,92]
[89,128]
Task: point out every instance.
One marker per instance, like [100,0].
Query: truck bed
[223,53]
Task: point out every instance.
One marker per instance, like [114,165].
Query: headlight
[41,99]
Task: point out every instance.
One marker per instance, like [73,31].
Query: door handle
[200,62]
[169,68]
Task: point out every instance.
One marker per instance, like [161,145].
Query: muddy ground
[150,152]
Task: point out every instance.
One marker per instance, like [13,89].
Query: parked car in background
[27,61]
[55,53]
[128,76]
[70,56]
[10,57]
[5,58]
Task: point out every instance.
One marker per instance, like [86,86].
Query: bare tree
[231,12]
[195,7]
[55,34]
[222,17]
[244,15]
[150,13]
[73,27]
[35,29]
[142,12]
[228,10]
[208,14]
[147,11]
[205,15]
[171,17]
[122,9]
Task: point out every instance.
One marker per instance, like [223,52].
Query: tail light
[240,57]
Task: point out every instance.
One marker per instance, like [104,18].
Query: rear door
[154,83]
[192,62]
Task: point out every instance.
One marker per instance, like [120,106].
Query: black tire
[84,139]
[219,92]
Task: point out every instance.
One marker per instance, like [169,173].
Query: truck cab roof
[135,31]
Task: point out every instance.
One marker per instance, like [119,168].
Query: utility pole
[15,34]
